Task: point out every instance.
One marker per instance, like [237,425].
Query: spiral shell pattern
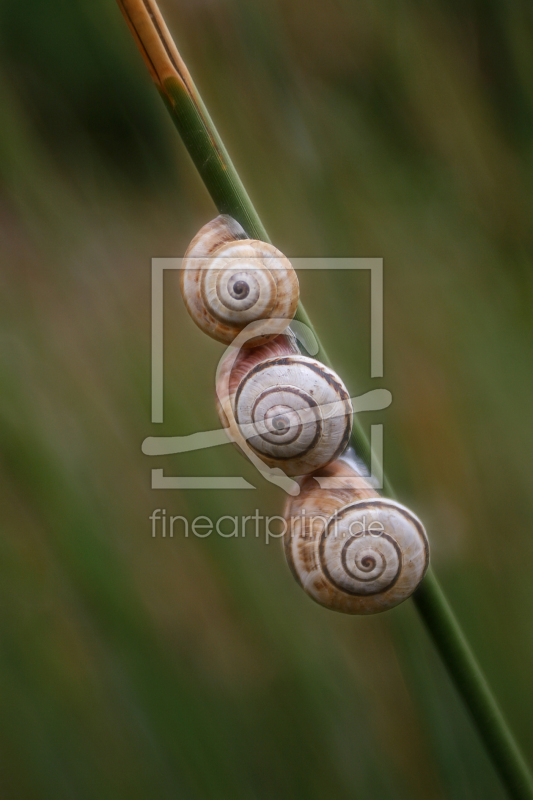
[228,281]
[361,556]
[293,412]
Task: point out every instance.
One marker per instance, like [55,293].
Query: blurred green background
[134,667]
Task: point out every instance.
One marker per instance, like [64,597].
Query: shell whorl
[292,411]
[350,549]
[228,281]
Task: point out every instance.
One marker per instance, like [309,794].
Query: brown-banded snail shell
[350,549]
[290,410]
[228,281]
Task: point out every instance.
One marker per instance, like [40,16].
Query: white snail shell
[292,411]
[350,549]
[228,281]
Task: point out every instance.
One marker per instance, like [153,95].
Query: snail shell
[228,281]
[290,410]
[350,549]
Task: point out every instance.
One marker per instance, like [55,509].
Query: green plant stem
[230,197]
[473,687]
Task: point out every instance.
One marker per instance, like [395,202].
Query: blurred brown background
[133,667]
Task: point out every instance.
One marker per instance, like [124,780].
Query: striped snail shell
[350,549]
[290,410]
[228,281]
